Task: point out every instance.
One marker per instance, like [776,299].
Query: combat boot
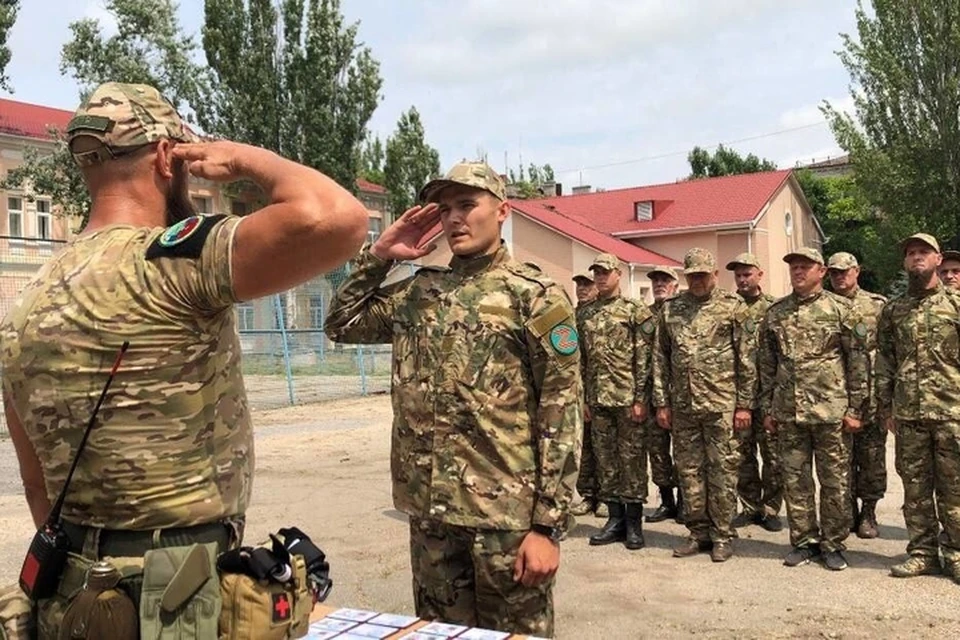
[586,506]
[868,520]
[601,511]
[634,519]
[615,529]
[917,566]
[667,509]
[680,519]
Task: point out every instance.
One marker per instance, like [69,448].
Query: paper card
[357,615]
[331,624]
[368,630]
[419,635]
[441,629]
[351,636]
[320,634]
[395,621]
[483,634]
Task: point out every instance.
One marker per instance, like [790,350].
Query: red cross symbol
[281,607]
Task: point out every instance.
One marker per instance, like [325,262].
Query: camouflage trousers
[760,492]
[587,480]
[705,449]
[928,462]
[827,446]
[620,450]
[465,576]
[662,471]
[868,463]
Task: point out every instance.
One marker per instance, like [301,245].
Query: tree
[149,47]
[8,15]
[529,184]
[724,162]
[410,162]
[904,140]
[372,157]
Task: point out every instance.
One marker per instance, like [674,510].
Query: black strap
[58,505]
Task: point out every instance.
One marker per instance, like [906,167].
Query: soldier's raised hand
[402,239]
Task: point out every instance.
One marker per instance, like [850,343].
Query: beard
[920,277]
[179,205]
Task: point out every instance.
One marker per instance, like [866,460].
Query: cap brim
[790,257]
[838,268]
[432,189]
[906,243]
[733,265]
[693,270]
[951,255]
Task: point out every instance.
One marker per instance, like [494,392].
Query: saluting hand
[215,161]
[401,240]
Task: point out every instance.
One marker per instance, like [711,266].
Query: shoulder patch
[860,329]
[184,239]
[564,339]
[749,325]
[648,326]
[550,319]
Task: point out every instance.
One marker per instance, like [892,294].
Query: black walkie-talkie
[47,554]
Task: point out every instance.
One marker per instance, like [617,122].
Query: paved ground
[324,468]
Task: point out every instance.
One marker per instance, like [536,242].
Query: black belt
[135,543]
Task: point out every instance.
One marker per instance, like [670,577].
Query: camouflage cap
[699,260]
[842,261]
[121,118]
[472,174]
[583,275]
[606,261]
[805,253]
[744,260]
[925,238]
[950,254]
[663,271]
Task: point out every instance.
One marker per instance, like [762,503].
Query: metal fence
[287,358]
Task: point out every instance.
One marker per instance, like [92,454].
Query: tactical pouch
[181,593]
[266,609]
[16,614]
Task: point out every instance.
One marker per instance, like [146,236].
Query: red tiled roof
[692,203]
[370,187]
[30,120]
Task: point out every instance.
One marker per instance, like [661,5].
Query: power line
[660,156]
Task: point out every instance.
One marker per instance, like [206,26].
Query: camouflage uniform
[173,445]
[918,384]
[813,368]
[587,479]
[761,494]
[702,372]
[662,470]
[487,412]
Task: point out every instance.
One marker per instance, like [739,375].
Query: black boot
[615,530]
[680,519]
[634,517]
[667,509]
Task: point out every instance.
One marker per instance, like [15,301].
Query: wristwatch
[550,532]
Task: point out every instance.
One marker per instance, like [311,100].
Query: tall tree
[904,65]
[725,162]
[410,162]
[149,47]
[372,156]
[8,15]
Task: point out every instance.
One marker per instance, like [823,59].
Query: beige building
[764,213]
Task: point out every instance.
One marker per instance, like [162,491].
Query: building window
[643,210]
[44,220]
[788,223]
[245,316]
[374,226]
[316,312]
[201,204]
[15,217]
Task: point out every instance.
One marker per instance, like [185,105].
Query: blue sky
[611,93]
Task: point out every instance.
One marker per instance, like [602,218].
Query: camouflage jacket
[756,310]
[173,445]
[813,360]
[868,306]
[486,387]
[918,356]
[700,364]
[616,335]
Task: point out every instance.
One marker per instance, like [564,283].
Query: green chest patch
[564,339]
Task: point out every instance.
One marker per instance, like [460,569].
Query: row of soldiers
[815,378]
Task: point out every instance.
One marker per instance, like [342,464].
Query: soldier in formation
[868,457]
[617,334]
[761,493]
[949,270]
[704,383]
[664,282]
[586,291]
[813,392]
[487,405]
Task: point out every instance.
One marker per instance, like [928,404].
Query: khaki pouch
[263,609]
[180,597]
[16,614]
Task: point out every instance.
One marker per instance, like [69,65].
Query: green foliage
[725,162]
[372,157]
[8,16]
[529,184]
[410,162]
[904,140]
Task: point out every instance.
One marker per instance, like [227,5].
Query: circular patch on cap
[564,339]
[179,232]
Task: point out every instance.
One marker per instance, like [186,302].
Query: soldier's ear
[164,158]
[503,211]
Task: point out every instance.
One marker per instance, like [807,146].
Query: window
[201,204]
[316,312]
[15,217]
[374,226]
[788,223]
[44,220]
[245,316]
[643,210]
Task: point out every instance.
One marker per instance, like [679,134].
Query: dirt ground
[324,468]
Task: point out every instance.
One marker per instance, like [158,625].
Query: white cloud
[810,114]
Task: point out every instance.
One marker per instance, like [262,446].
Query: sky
[610,93]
